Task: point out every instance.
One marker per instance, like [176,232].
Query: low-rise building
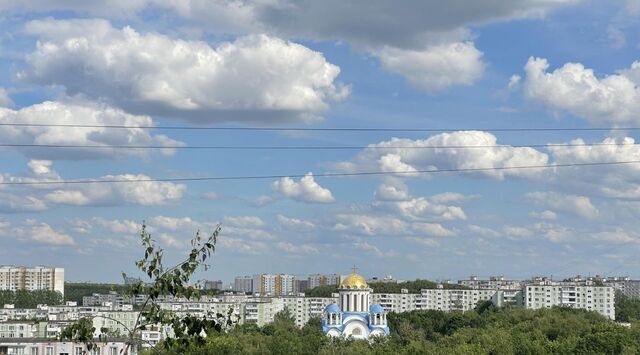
[44,346]
[572,295]
[442,299]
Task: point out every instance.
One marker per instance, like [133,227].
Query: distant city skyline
[82,83]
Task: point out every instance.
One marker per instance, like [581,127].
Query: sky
[467,68]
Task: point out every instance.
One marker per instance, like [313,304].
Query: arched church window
[356,331]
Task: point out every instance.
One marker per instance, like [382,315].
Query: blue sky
[422,64]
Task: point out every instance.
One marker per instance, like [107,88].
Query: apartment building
[395,302]
[568,294]
[317,280]
[14,278]
[21,329]
[44,346]
[624,284]
[452,299]
[273,284]
[113,299]
[300,286]
[243,284]
[305,308]
[493,282]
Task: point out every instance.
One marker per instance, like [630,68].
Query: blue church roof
[376,308]
[332,308]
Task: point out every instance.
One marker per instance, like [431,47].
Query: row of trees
[627,309]
[74,291]
[30,299]
[384,287]
[484,331]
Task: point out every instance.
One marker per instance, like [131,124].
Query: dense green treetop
[627,309]
[486,330]
[30,299]
[384,287]
[74,291]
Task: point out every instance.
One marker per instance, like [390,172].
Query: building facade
[317,280]
[273,284]
[43,346]
[494,282]
[592,298]
[243,284]
[36,278]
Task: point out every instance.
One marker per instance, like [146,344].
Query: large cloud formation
[258,78]
[425,154]
[40,196]
[429,36]
[574,89]
[78,113]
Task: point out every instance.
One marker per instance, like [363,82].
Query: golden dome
[354,281]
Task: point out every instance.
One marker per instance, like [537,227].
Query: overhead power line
[322,129]
[336,147]
[325,175]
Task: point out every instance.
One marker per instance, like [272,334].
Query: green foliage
[187,330]
[627,309]
[484,331]
[413,286]
[384,287]
[321,291]
[74,291]
[82,332]
[30,299]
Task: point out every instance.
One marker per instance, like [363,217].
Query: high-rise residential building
[300,286]
[317,280]
[32,278]
[211,285]
[243,284]
[273,284]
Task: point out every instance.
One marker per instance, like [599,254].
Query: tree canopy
[30,299]
[485,331]
[384,287]
[627,309]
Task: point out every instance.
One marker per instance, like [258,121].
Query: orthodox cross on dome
[354,269]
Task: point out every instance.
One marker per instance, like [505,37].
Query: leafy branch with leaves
[164,281]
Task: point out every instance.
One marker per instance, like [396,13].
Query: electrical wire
[321,175]
[322,129]
[337,147]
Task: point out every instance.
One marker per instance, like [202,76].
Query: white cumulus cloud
[574,89]
[426,154]
[78,113]
[435,68]
[304,190]
[578,205]
[258,78]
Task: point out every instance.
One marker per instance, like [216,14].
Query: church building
[354,317]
